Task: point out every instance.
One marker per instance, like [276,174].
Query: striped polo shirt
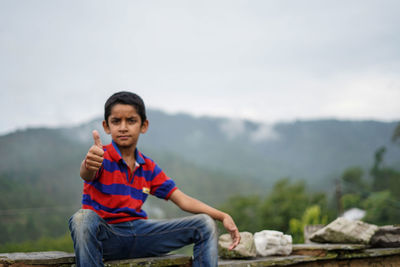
[117,194]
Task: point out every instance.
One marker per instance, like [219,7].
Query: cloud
[236,128]
[264,132]
[233,128]
[258,60]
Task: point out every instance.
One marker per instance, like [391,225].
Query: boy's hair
[126,98]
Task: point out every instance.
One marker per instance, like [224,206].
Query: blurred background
[282,113]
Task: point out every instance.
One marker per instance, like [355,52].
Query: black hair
[126,98]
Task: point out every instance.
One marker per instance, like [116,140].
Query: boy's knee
[82,218]
[208,223]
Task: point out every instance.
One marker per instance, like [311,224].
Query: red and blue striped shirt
[117,194]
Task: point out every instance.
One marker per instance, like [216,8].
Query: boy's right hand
[94,157]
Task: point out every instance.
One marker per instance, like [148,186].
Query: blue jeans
[94,239]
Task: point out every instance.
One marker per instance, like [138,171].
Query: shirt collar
[118,156]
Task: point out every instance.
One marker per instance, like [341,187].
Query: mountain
[313,150]
[317,151]
[40,187]
[209,158]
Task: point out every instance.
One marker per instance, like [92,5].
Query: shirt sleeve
[161,185]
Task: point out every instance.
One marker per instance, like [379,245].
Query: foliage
[287,200]
[312,216]
[40,188]
[244,210]
[350,201]
[353,181]
[382,208]
[385,178]
[62,243]
[380,196]
[396,133]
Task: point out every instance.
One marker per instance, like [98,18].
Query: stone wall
[313,255]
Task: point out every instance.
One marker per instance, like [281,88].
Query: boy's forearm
[193,205]
[200,207]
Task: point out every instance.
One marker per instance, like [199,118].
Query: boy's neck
[128,154]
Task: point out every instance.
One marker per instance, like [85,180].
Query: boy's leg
[157,237]
[94,239]
[84,226]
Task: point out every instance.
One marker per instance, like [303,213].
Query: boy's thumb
[96,138]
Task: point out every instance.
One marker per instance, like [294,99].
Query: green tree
[351,201]
[353,182]
[312,216]
[396,133]
[61,243]
[287,201]
[385,178]
[382,208]
[244,210]
[355,188]
[380,198]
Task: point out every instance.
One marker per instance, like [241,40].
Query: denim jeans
[94,239]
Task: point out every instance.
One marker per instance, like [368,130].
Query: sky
[266,61]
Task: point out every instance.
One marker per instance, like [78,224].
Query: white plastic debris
[354,214]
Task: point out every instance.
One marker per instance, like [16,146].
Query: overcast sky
[256,59]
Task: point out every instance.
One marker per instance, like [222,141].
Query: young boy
[117,180]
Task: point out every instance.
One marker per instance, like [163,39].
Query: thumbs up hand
[94,157]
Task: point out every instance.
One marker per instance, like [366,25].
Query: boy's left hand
[230,225]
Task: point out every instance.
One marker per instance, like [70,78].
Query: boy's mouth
[123,137]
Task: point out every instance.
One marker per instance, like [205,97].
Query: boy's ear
[144,127]
[106,128]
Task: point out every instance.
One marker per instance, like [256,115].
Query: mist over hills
[317,151]
[312,150]
[209,158]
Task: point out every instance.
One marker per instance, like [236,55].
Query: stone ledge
[314,249]
[46,258]
[59,258]
[169,260]
[272,261]
[324,254]
[303,255]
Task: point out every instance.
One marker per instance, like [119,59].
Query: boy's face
[125,125]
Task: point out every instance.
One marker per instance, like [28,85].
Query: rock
[245,249]
[308,230]
[386,237]
[272,243]
[51,258]
[343,230]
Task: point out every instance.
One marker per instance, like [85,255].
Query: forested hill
[209,158]
[313,150]
[316,151]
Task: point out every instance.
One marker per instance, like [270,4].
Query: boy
[118,179]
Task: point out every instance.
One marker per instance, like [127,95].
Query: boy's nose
[123,125]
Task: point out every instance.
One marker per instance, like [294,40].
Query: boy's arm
[93,160]
[193,205]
